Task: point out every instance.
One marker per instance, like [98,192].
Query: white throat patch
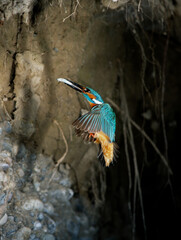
[96,101]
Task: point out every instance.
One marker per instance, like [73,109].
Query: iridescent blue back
[100,118]
[108,120]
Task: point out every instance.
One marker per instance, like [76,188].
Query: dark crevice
[12,75]
[174,2]
[3,13]
[91,196]
[11,83]
[19,29]
[38,7]
[13,68]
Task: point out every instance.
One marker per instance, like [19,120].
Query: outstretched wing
[100,118]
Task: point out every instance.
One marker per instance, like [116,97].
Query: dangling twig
[163,96]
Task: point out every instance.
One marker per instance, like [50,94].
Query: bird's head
[92,96]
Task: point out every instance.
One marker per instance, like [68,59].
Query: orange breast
[106,145]
[92,104]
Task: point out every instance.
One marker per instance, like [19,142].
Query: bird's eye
[87,90]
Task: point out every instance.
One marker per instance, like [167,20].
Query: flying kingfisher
[99,124]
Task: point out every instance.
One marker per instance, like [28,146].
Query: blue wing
[100,118]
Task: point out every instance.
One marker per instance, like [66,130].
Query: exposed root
[65,153]
[144,65]
[162,97]
[143,133]
[74,12]
[139,6]
[129,139]
[137,183]
[125,134]
[153,145]
[66,145]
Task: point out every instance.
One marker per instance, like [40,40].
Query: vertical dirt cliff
[129,52]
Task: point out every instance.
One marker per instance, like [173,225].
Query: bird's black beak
[73,85]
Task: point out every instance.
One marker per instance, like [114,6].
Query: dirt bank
[130,54]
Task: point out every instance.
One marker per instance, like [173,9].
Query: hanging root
[63,156]
[129,139]
[143,133]
[74,11]
[137,183]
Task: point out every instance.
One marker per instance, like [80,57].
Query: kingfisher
[99,124]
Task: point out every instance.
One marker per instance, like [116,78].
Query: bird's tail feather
[109,153]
